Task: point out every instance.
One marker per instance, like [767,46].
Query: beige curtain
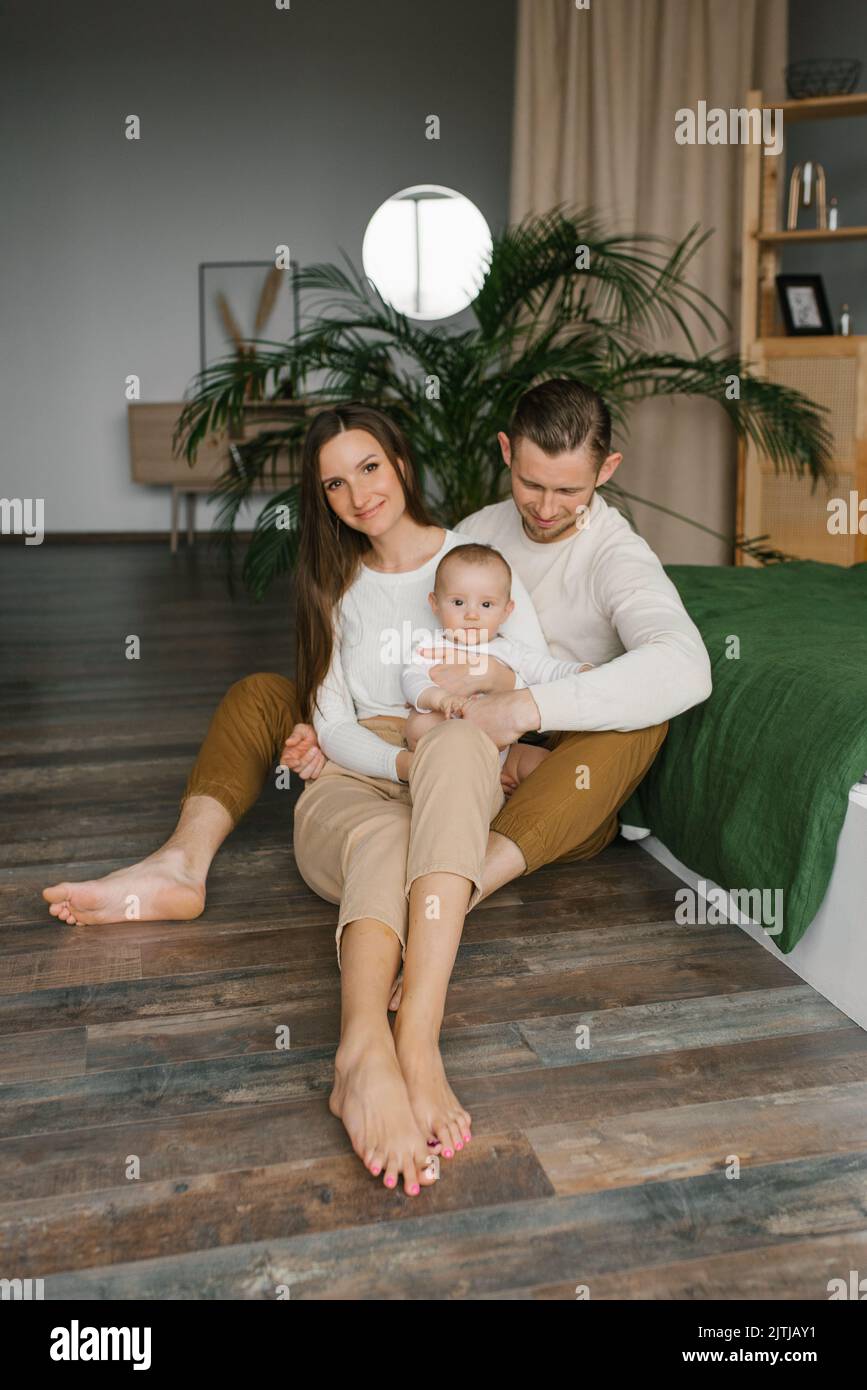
[596,94]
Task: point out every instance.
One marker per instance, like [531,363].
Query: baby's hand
[452,705]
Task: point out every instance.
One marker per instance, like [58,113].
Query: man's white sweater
[602,596]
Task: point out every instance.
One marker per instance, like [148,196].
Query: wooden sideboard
[153,461]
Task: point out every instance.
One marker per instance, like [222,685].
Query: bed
[758,799]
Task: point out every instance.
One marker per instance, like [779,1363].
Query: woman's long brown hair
[329,553]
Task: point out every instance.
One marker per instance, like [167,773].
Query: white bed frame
[832,954]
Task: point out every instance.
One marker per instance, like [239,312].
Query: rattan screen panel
[796,519]
[793,515]
[831,382]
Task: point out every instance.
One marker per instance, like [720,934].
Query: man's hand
[301,752]
[504,718]
[471,673]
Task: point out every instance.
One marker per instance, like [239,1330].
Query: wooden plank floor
[603,1167]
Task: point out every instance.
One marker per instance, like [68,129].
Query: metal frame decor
[265,266]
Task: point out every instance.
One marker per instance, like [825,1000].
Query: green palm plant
[536,316]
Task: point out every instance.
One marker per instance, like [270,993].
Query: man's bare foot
[370,1097]
[434,1103]
[161,888]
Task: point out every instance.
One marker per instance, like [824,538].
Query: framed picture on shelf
[804,306]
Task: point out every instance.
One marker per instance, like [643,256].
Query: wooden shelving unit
[817,108]
[812,234]
[831,370]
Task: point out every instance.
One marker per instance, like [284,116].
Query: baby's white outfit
[531,666]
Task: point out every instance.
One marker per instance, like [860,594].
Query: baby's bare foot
[434,1103]
[161,888]
[528,756]
[370,1098]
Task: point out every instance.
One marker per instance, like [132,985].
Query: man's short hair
[561,415]
[476,553]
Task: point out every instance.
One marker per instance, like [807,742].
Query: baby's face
[472,601]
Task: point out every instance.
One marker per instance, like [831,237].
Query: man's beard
[533,529]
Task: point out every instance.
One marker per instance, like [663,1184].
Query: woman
[396,838]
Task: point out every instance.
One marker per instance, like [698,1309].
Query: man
[601,595]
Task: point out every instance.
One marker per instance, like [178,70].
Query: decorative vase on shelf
[807,179]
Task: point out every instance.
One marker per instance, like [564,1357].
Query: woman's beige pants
[363,841]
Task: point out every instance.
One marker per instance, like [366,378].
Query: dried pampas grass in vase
[264,309]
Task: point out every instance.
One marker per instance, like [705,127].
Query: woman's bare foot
[370,1097]
[434,1103]
[162,888]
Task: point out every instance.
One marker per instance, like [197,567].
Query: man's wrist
[527,713]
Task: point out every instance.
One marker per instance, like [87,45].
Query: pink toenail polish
[376,1171]
[414,1190]
[447,1153]
[390,1181]
[467,1138]
[459,1146]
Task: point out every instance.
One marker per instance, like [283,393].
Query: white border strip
[832,954]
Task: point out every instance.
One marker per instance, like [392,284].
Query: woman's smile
[371,511]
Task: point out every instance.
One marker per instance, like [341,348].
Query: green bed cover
[750,789]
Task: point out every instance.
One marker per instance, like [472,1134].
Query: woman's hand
[302,754]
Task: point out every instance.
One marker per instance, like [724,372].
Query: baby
[471,600]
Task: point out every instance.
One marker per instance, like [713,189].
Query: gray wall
[833,29]
[259,127]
